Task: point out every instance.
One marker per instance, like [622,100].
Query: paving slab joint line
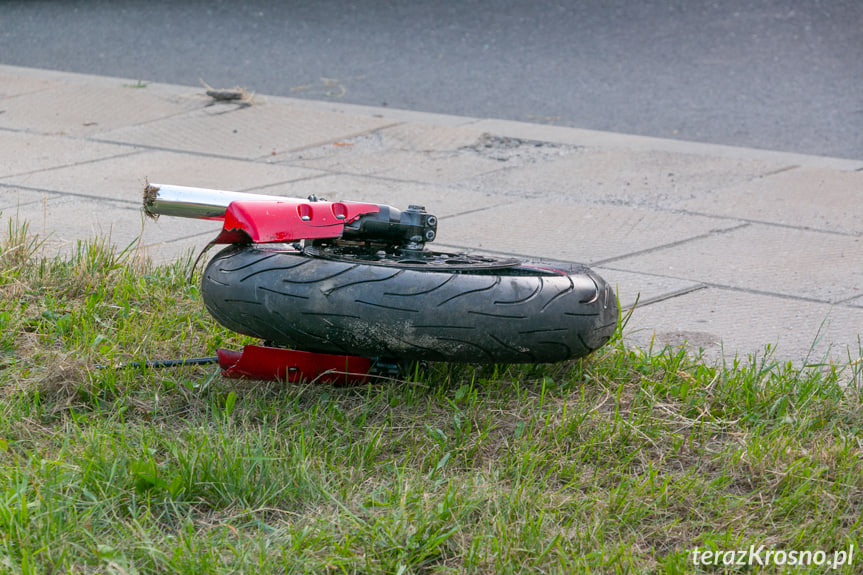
[776,172]
[318,144]
[373,176]
[762,222]
[255,159]
[150,121]
[72,164]
[60,194]
[283,183]
[638,304]
[205,238]
[669,245]
[779,295]
[476,210]
[843,302]
[73,137]
[26,94]
[172,150]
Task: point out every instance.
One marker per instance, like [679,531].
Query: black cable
[158,363]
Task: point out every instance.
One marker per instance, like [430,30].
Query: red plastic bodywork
[270,363]
[288,221]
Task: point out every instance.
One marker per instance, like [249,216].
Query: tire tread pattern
[334,307]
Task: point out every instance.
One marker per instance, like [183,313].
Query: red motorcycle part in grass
[272,363]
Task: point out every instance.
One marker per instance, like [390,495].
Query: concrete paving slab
[428,167]
[257,131]
[429,138]
[22,153]
[610,140]
[643,288]
[124,178]
[435,154]
[583,233]
[85,110]
[406,137]
[166,252]
[733,322]
[12,198]
[815,198]
[169,239]
[638,178]
[58,76]
[784,261]
[438,199]
[391,114]
[64,220]
[13,85]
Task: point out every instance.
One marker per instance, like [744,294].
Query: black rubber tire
[519,315]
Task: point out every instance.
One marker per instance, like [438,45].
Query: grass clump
[623,462]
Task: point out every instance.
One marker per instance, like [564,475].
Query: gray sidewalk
[727,249]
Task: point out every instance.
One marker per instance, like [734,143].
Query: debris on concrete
[505,149]
[235,95]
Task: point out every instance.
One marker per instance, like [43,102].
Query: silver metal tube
[187,202]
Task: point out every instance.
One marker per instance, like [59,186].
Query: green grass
[621,463]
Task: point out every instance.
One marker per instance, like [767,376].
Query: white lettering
[762,556]
[755,555]
[840,557]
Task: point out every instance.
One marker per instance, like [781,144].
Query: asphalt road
[775,74]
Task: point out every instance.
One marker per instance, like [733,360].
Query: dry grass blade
[19,247]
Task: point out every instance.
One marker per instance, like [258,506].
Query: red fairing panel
[288,221]
[271,363]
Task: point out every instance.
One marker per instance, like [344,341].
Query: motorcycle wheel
[474,314]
